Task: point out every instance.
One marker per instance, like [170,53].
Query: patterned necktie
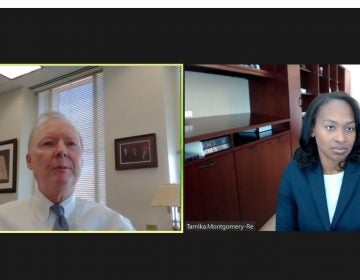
[60,223]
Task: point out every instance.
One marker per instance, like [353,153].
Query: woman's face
[335,133]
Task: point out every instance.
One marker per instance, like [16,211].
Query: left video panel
[72,124]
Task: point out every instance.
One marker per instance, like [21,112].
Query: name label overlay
[220,226]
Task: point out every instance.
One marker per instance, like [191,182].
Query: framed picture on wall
[136,152]
[8,165]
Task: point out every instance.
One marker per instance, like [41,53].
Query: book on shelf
[216,141]
[202,148]
[217,148]
[258,129]
[255,134]
[216,144]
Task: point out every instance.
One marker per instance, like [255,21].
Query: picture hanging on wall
[8,166]
[136,152]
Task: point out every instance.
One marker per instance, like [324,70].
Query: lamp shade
[167,195]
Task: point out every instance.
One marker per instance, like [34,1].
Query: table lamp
[168,195]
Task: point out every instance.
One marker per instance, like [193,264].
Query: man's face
[55,157]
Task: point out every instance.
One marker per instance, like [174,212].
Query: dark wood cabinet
[211,190]
[241,183]
[258,169]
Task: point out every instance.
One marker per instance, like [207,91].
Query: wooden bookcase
[315,79]
[320,79]
[241,183]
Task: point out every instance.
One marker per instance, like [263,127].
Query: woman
[320,189]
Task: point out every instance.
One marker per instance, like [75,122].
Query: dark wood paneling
[259,168]
[211,190]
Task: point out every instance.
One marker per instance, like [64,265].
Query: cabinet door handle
[207,165]
[300,101]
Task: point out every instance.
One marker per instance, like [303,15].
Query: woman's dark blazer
[302,200]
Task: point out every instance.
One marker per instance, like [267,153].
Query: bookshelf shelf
[210,127]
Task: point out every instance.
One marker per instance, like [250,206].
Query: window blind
[82,102]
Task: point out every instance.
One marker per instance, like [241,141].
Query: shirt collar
[42,205]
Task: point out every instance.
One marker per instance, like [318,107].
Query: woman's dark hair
[307,155]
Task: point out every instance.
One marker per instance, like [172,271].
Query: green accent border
[182,96]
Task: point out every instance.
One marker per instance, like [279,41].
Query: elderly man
[55,157]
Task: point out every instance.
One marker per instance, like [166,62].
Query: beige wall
[17,116]
[141,100]
[354,80]
[222,95]
[138,100]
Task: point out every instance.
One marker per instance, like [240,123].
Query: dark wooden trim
[12,189]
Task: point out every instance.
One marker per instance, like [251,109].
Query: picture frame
[8,166]
[136,152]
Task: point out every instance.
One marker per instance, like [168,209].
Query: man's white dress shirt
[33,214]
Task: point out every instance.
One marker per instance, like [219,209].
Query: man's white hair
[51,115]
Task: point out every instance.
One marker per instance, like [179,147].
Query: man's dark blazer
[302,200]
